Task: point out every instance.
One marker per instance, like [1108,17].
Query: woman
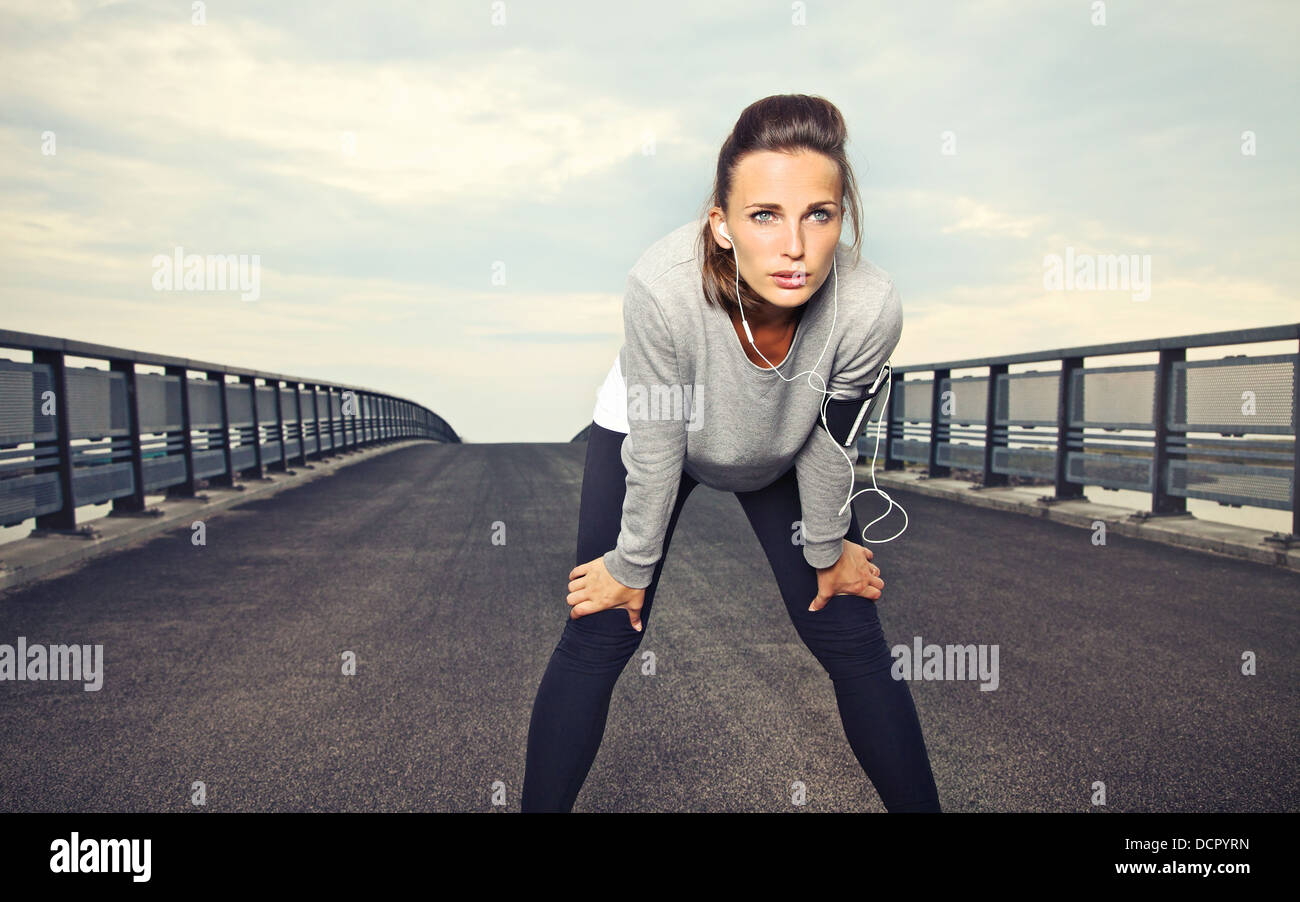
[693,398]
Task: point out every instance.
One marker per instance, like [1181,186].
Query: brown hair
[786,123]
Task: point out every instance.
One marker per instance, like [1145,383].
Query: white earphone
[874,387]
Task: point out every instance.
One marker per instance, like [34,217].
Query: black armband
[847,417]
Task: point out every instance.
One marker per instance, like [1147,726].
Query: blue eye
[828,216]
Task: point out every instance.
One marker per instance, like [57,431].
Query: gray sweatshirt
[696,403]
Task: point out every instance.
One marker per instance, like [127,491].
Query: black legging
[568,720]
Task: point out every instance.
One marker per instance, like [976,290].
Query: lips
[789,273]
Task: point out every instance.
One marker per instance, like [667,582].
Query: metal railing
[1040,422]
[145,432]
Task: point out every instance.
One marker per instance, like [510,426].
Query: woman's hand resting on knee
[852,574]
[592,589]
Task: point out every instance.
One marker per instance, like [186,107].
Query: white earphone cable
[825,401]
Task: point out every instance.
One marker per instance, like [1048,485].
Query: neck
[772,317]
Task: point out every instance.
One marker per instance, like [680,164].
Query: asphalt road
[223,663]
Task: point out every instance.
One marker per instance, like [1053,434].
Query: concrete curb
[27,560]
[1186,531]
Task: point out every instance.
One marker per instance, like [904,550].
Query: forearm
[824,469]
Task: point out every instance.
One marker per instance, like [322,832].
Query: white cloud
[523,145]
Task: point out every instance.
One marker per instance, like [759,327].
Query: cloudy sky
[445,197]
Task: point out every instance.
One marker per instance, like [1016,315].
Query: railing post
[255,471]
[134,502]
[329,416]
[359,424]
[937,434]
[315,418]
[1065,434]
[65,518]
[302,431]
[283,463]
[349,400]
[994,436]
[187,488]
[1161,501]
[328,393]
[227,478]
[343,423]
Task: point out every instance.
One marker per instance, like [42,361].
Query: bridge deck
[222,662]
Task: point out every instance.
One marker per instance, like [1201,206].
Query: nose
[794,244]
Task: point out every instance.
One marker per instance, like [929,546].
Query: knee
[600,642]
[846,637]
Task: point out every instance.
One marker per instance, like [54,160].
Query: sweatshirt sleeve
[823,475]
[655,446]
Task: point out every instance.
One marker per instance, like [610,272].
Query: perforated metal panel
[24,497]
[243,457]
[1027,399]
[239,404]
[97,484]
[160,472]
[265,403]
[1117,397]
[1110,470]
[25,390]
[205,404]
[288,405]
[1236,395]
[209,463]
[350,405]
[96,403]
[1028,462]
[909,449]
[160,402]
[965,405]
[960,454]
[1232,483]
[912,401]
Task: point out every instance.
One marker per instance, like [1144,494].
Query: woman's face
[785,216]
